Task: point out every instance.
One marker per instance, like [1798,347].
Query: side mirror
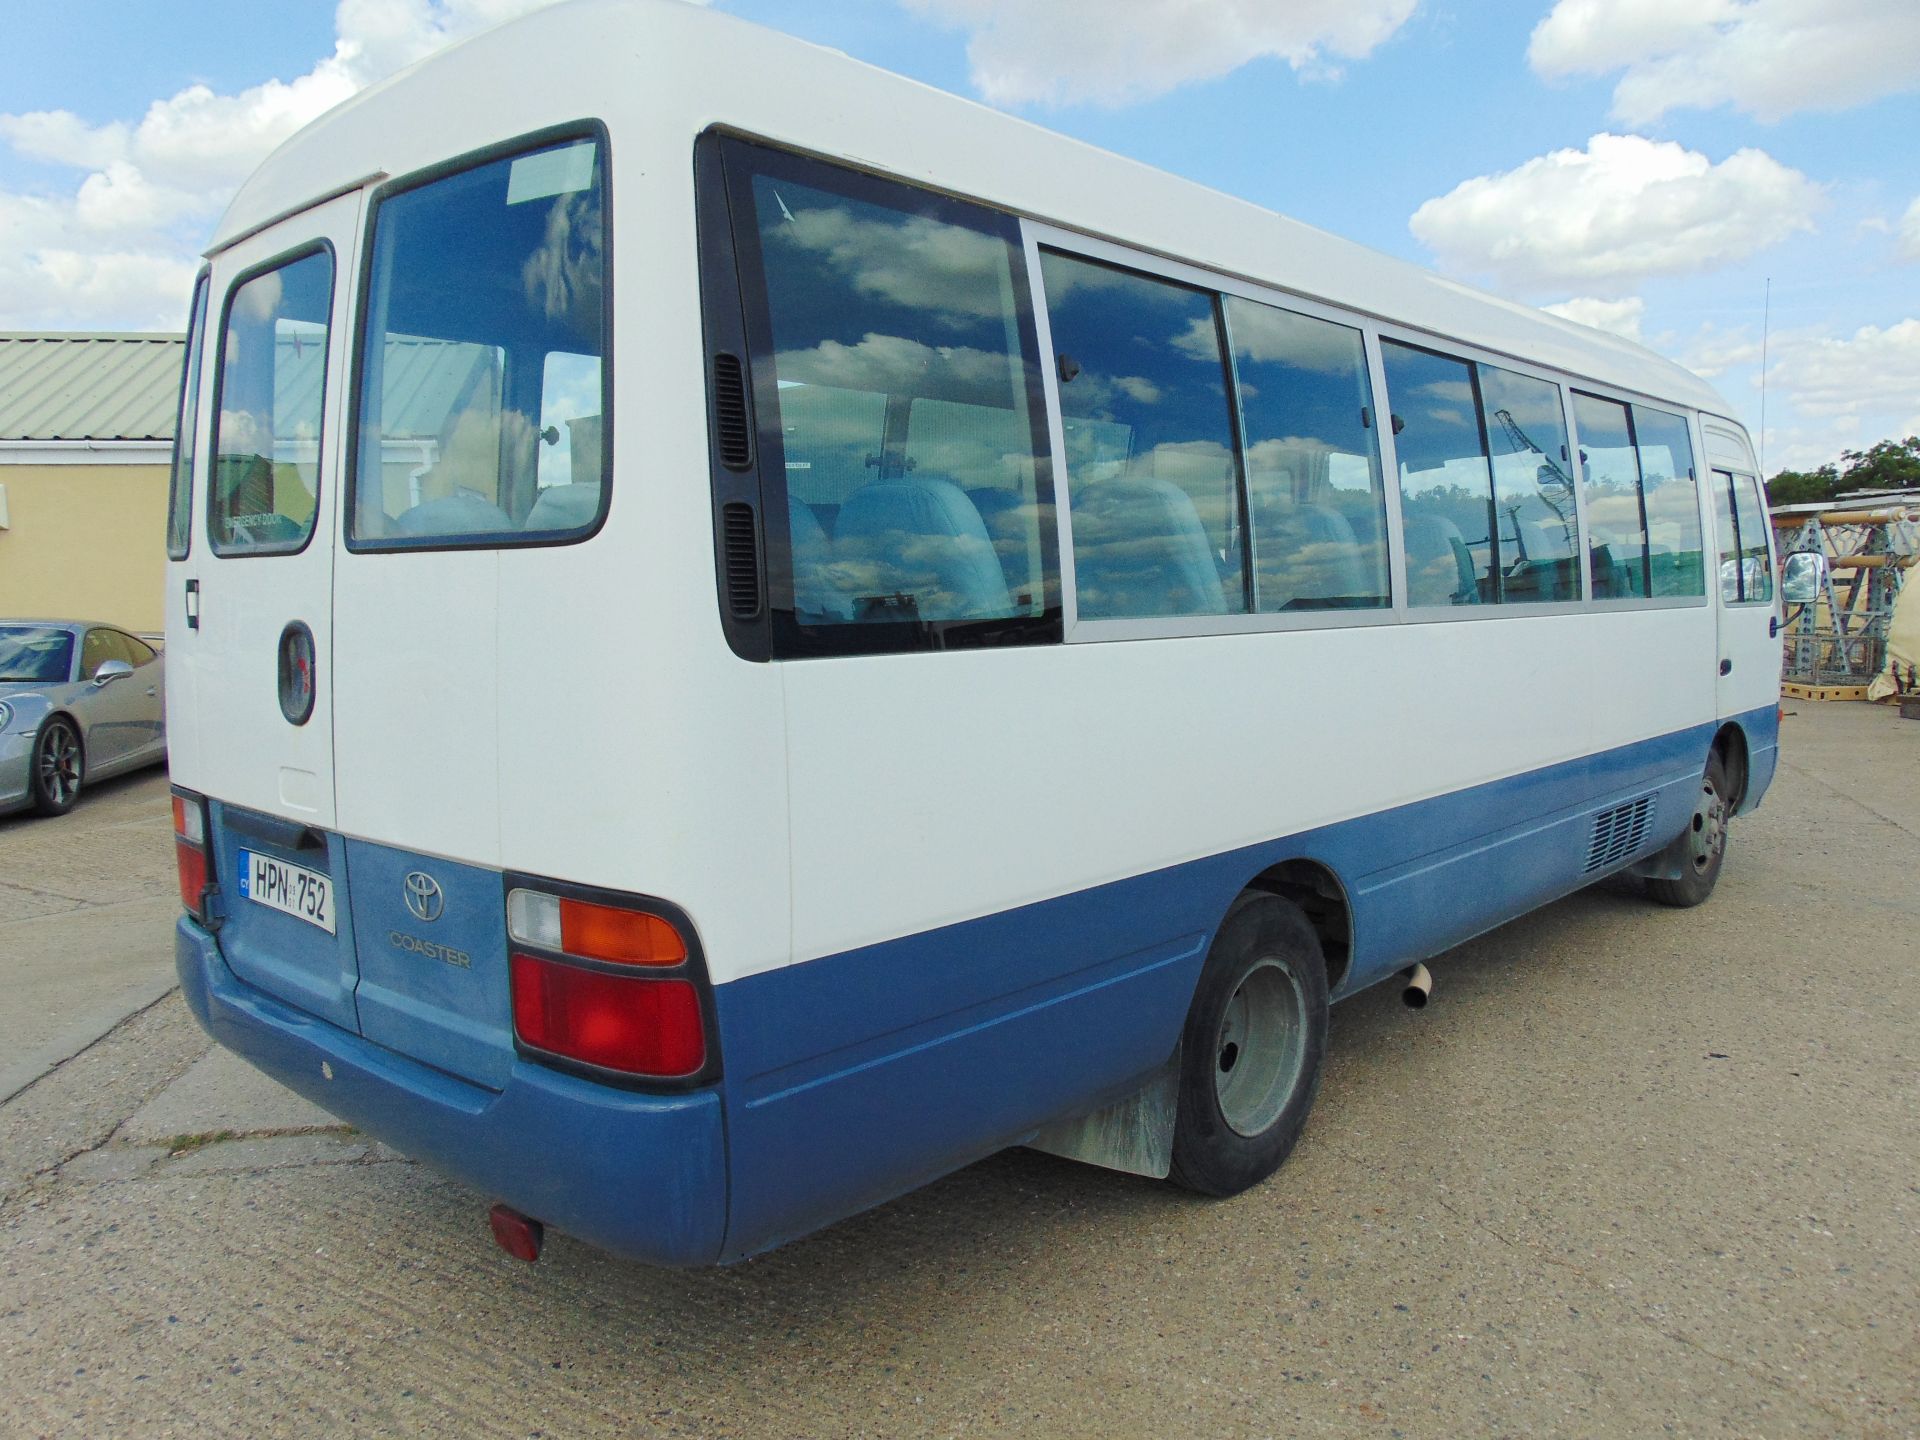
[1729,581]
[1805,577]
[110,671]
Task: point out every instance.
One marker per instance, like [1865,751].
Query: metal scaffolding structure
[1840,639]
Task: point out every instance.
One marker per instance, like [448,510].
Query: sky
[1716,178]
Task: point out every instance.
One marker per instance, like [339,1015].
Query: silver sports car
[78,702]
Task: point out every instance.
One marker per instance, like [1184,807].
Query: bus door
[1749,650]
[257,601]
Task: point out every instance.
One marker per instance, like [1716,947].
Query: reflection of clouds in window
[563,276]
[894,364]
[913,260]
[259,299]
[1453,394]
[1263,335]
[245,432]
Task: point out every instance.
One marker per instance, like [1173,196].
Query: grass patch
[187,1144]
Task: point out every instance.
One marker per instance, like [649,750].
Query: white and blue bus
[743,633]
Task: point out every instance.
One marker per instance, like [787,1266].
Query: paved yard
[86,912]
[1633,1172]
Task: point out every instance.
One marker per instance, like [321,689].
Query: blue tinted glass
[1616,523]
[1672,501]
[1153,482]
[1533,494]
[1315,501]
[902,389]
[1756,565]
[481,384]
[1446,485]
[35,653]
[186,432]
[272,377]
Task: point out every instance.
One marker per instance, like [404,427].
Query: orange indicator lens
[627,937]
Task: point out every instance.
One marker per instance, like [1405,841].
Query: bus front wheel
[1252,1049]
[1698,851]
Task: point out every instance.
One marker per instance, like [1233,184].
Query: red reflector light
[515,1233]
[600,932]
[617,1022]
[192,861]
[190,850]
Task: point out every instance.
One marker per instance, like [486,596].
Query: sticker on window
[551,172]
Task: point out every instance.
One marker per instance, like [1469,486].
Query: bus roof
[654,62]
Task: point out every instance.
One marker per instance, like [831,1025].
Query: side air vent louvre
[731,425]
[743,560]
[1618,832]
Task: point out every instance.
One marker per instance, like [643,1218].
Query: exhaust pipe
[1416,985]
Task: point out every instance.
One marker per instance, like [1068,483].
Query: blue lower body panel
[853,1078]
[638,1175]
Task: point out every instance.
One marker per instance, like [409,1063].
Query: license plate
[291,889]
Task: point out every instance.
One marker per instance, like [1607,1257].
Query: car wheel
[1252,1050]
[1702,846]
[59,765]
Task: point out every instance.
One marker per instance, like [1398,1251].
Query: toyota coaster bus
[743,633]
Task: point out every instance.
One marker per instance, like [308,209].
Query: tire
[1701,848]
[59,767]
[1252,1050]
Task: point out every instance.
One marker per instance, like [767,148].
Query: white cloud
[117,247]
[1713,351]
[1605,218]
[1871,377]
[1769,58]
[1907,246]
[1622,317]
[1111,52]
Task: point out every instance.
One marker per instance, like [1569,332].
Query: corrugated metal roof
[89,387]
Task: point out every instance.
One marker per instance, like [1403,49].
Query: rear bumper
[642,1176]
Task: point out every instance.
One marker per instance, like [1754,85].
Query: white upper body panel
[797,810]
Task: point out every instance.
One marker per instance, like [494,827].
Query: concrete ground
[1634,1171]
[86,904]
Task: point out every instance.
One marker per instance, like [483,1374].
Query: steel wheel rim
[1708,836]
[1260,1049]
[60,765]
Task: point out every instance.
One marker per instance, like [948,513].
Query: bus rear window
[900,421]
[482,386]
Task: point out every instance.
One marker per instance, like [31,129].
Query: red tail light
[190,851]
[619,988]
[617,1022]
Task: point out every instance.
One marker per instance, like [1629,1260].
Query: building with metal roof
[86,434]
[80,389]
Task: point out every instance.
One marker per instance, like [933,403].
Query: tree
[1889,465]
[1803,487]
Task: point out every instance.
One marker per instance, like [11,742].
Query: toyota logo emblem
[425,899]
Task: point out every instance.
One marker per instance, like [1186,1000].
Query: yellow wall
[85,542]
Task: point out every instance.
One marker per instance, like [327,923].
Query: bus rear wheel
[1702,846]
[1252,1050]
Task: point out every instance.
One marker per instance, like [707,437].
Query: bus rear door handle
[1726,667]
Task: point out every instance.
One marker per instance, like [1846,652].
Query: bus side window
[899,431]
[1672,502]
[1446,483]
[1315,500]
[1616,522]
[1154,484]
[1756,566]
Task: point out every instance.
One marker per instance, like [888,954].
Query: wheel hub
[1260,1048]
